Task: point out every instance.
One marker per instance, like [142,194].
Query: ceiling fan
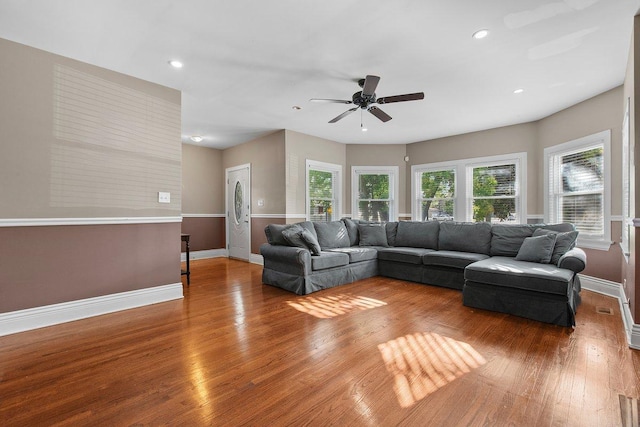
[367,96]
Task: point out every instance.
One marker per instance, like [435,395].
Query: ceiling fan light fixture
[175,63]
[480,34]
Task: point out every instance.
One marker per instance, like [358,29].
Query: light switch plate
[164,197]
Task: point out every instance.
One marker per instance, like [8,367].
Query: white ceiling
[248,62]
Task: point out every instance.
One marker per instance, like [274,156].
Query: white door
[239,211]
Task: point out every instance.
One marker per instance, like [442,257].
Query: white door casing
[238,208]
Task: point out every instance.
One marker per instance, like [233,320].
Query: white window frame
[393,173]
[590,141]
[517,159]
[463,168]
[416,187]
[627,167]
[337,186]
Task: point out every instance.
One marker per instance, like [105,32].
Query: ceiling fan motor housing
[363,101]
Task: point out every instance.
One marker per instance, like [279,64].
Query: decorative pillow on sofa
[311,241]
[274,232]
[292,236]
[537,249]
[564,242]
[332,234]
[418,234]
[373,235]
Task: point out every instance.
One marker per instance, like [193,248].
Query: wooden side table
[185,238]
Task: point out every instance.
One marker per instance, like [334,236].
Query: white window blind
[577,178]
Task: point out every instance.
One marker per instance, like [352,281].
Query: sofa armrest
[574,260]
[291,258]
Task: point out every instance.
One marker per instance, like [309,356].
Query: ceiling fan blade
[370,85]
[346,113]
[335,101]
[380,114]
[400,98]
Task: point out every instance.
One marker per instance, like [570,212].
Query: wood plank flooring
[379,352]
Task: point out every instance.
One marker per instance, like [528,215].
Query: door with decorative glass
[239,212]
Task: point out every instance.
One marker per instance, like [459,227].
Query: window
[577,187]
[436,195]
[494,193]
[481,189]
[323,191]
[374,193]
[627,166]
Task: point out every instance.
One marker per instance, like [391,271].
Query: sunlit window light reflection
[325,307]
[423,362]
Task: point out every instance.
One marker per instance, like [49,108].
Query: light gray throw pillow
[332,234]
[537,249]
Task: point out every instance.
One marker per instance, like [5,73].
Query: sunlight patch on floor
[421,363]
[335,305]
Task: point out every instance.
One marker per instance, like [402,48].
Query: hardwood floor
[379,352]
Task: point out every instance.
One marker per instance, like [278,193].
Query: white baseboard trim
[209,253]
[49,315]
[615,290]
[256,259]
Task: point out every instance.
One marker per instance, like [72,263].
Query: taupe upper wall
[79,141]
[492,142]
[299,148]
[202,180]
[267,159]
[602,112]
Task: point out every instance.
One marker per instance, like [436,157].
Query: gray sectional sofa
[525,270]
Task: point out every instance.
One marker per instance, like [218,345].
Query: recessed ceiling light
[296,107]
[480,34]
[175,63]
[363,129]
[196,138]
[517,91]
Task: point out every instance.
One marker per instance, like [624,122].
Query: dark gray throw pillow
[564,242]
[311,241]
[292,236]
[373,235]
[537,249]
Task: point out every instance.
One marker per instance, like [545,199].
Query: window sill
[601,245]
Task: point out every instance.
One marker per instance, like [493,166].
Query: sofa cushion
[402,254]
[564,242]
[372,235]
[537,249]
[506,271]
[274,232]
[357,254]
[352,230]
[506,239]
[332,234]
[417,234]
[328,260]
[465,237]
[452,258]
[392,230]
